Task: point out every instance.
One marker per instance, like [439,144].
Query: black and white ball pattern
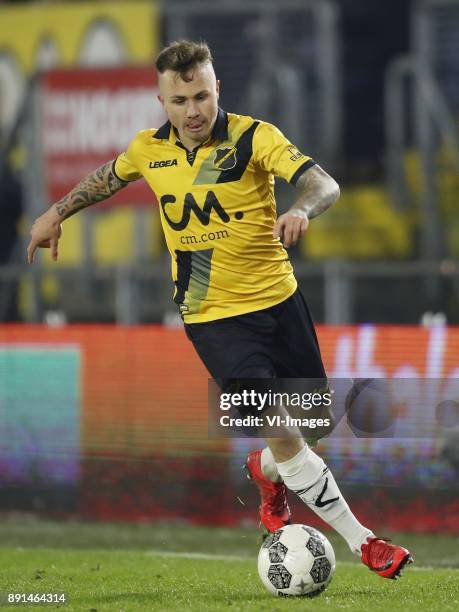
[296,560]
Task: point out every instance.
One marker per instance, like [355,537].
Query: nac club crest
[225,158]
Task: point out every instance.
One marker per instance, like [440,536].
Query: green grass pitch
[178,567]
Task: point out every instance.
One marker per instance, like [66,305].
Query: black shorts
[277,342]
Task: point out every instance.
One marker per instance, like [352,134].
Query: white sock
[268,465]
[307,475]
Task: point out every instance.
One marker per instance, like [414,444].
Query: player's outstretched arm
[318,191]
[97,186]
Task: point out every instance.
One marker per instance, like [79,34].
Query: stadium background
[103,404]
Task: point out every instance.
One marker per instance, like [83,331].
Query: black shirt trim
[220,129]
[191,155]
[114,172]
[309,164]
[163,132]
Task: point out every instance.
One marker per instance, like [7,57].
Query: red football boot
[274,510]
[385,559]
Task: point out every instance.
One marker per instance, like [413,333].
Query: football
[296,561]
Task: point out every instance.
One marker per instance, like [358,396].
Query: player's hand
[289,228]
[45,234]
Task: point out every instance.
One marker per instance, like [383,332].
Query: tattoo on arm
[318,191]
[97,186]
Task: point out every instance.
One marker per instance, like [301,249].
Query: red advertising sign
[88,117]
[135,419]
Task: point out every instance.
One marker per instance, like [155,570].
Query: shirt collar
[219,131]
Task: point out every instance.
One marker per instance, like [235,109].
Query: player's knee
[284,449]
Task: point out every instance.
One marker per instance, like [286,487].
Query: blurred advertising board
[88,117]
[122,414]
[143,389]
[45,446]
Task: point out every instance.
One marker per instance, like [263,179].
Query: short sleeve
[125,167]
[275,154]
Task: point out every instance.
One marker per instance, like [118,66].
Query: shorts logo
[225,159]
[165,163]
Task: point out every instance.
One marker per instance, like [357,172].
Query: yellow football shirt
[218,210]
